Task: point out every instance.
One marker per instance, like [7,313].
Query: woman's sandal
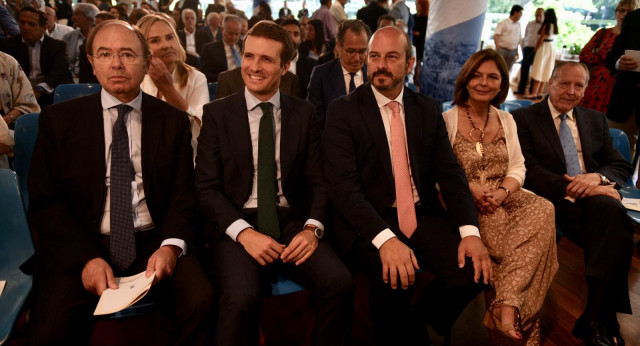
[493,322]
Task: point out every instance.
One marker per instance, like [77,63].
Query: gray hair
[88,10]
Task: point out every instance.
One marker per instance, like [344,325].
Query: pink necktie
[404,193]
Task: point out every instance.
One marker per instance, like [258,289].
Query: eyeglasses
[352,52]
[107,57]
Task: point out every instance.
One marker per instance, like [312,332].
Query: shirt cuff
[382,237]
[176,242]
[315,223]
[618,64]
[468,230]
[236,227]
[46,87]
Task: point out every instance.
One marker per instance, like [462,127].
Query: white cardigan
[516,168]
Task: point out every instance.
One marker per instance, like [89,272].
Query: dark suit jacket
[327,84]
[304,66]
[231,82]
[358,167]
[224,164]
[370,14]
[206,29]
[201,37]
[545,159]
[214,60]
[624,96]
[53,58]
[67,177]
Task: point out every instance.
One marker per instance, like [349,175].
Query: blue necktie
[122,240]
[569,148]
[236,56]
[352,83]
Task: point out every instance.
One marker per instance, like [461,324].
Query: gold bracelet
[505,189]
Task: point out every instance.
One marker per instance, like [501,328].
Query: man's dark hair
[386,17]
[324,2]
[356,26]
[269,29]
[42,17]
[105,15]
[290,21]
[515,9]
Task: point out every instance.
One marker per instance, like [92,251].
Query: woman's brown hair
[461,94]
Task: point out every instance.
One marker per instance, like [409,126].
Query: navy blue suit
[327,84]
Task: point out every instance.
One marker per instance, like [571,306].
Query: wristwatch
[505,190]
[604,180]
[317,231]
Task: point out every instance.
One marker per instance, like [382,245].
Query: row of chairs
[507,106]
[65,92]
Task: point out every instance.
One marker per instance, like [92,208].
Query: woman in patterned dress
[594,54]
[516,226]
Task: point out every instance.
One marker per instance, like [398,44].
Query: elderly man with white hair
[84,16]
[191,39]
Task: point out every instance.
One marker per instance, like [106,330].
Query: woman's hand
[479,196]
[495,199]
[160,75]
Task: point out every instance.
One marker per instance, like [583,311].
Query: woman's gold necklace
[479,141]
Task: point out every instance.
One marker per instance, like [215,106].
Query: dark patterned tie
[267,184]
[569,148]
[123,242]
[352,82]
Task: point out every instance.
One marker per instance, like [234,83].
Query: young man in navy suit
[259,184]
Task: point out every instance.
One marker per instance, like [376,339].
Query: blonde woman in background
[168,77]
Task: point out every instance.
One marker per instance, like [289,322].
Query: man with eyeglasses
[343,74]
[112,196]
[571,161]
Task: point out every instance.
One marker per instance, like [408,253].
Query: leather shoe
[595,333]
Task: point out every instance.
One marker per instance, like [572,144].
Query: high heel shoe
[493,322]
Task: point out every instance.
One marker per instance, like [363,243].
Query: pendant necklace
[479,141]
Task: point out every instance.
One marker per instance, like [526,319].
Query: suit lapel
[338,82]
[548,128]
[413,126]
[237,127]
[95,155]
[373,120]
[289,136]
[152,129]
[584,126]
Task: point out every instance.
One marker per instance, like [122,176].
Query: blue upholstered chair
[212,90]
[16,246]
[65,92]
[25,134]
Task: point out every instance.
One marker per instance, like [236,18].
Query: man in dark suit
[625,103]
[259,184]
[212,27]
[199,37]
[223,55]
[390,219]
[370,14]
[231,82]
[52,68]
[340,76]
[111,191]
[572,162]
[301,65]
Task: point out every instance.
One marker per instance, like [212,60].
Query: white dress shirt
[531,34]
[35,74]
[141,216]
[190,41]
[358,79]
[59,31]
[508,33]
[386,114]
[254,113]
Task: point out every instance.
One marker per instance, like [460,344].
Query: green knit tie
[267,184]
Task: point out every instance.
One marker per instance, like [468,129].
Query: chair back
[65,92]
[212,90]
[522,103]
[26,132]
[621,142]
[447,105]
[16,246]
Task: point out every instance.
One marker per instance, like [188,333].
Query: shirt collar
[345,72]
[253,102]
[556,113]
[383,100]
[40,40]
[109,101]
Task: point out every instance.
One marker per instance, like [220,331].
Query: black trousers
[527,60]
[600,226]
[435,243]
[240,282]
[63,313]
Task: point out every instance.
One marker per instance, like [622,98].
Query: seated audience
[17,95]
[259,183]
[213,27]
[390,221]
[129,209]
[168,77]
[136,15]
[301,65]
[223,55]
[55,30]
[516,226]
[571,161]
[84,15]
[119,12]
[192,40]
[48,70]
[343,75]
